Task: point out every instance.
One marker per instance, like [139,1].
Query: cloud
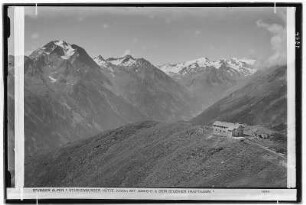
[168,20]
[251,52]
[105,26]
[34,36]
[152,16]
[80,18]
[126,52]
[197,32]
[144,48]
[278,43]
[135,40]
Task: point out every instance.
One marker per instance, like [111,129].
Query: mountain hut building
[228,129]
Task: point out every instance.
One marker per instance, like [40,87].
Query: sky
[163,34]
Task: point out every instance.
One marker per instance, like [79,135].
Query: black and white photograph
[153,97]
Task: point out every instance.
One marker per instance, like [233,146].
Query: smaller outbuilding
[259,132]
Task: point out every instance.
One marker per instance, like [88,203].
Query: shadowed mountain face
[67,97]
[263,100]
[143,85]
[151,154]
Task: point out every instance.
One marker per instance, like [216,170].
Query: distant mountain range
[209,81]
[206,81]
[234,66]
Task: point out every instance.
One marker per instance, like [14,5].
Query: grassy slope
[263,100]
[151,154]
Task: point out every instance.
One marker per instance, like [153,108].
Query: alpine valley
[123,121]
[208,80]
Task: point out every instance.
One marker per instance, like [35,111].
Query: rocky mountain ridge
[242,66]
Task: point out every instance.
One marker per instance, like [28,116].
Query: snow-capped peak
[248,61]
[99,57]
[100,61]
[61,43]
[67,48]
[65,51]
[243,66]
[127,57]
[188,66]
[126,60]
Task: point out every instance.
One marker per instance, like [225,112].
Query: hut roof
[228,125]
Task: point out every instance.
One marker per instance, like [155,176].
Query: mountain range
[205,81]
[67,97]
[143,85]
[209,81]
[235,66]
[133,107]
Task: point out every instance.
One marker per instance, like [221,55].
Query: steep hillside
[151,154]
[67,98]
[143,85]
[263,100]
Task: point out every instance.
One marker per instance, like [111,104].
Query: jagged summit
[57,43]
[120,58]
[128,57]
[61,43]
[99,57]
[126,63]
[60,47]
[126,60]
[244,66]
[101,61]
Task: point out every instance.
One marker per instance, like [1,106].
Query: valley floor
[152,154]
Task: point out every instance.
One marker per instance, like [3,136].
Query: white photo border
[22,193]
